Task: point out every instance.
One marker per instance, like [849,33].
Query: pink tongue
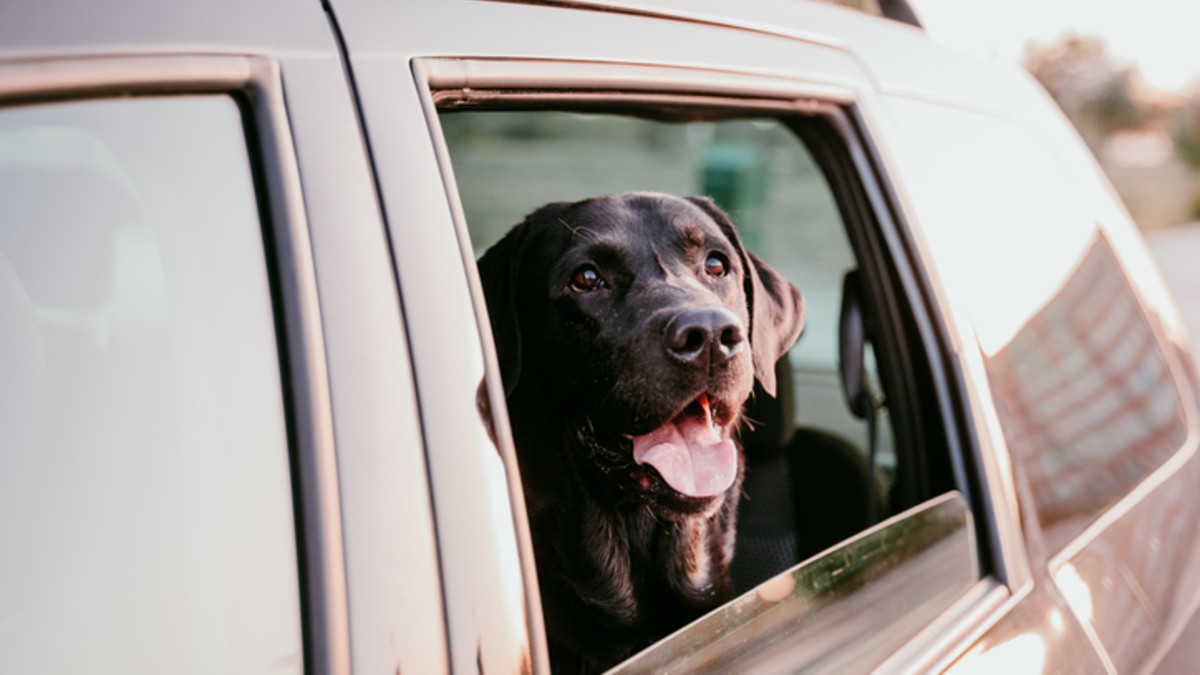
[690,455]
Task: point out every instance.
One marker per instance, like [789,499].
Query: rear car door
[472,127]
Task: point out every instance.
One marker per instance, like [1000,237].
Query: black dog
[630,330]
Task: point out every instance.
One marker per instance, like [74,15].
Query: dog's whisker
[577,231]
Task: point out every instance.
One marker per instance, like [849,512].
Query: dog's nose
[714,334]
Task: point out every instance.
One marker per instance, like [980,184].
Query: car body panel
[489,610]
[125,27]
[393,572]
[1034,632]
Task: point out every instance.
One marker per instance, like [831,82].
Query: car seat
[805,488]
[766,531]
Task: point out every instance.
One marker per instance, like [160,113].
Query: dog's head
[638,322]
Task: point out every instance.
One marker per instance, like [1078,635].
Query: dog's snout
[712,334]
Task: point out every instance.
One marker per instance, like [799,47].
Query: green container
[735,175]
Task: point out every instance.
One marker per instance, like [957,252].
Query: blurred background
[1128,75]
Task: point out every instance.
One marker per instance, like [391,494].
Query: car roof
[57,28]
[898,58]
[901,58]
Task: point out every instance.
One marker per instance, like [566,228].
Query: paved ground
[1178,252]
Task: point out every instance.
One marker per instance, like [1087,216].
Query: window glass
[845,612]
[1084,393]
[1086,396]
[145,500]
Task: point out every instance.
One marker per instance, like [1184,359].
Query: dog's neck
[627,569]
[672,561]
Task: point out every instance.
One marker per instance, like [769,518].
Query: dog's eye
[586,279]
[716,265]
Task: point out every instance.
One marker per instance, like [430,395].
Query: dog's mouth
[690,451]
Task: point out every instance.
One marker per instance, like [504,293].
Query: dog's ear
[776,306]
[500,273]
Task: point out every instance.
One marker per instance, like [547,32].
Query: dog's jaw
[624,467]
[690,452]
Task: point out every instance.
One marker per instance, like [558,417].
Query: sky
[1160,37]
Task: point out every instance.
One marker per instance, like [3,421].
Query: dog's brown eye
[716,265]
[586,279]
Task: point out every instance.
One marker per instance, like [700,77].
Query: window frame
[256,86]
[869,202]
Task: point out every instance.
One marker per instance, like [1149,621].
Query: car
[243,337]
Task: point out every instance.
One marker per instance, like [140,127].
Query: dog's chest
[650,571]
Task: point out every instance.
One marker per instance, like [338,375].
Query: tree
[1187,129]
[1095,91]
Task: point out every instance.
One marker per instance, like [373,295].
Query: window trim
[500,84]
[256,85]
[453,82]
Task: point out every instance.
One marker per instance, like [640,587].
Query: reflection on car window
[145,500]
[1086,396]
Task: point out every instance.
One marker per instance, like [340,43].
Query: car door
[209,435]
[472,126]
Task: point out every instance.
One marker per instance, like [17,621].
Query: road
[1178,252]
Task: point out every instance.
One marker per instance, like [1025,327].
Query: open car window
[840,464]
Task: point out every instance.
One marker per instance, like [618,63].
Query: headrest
[59,220]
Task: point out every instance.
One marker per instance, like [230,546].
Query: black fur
[622,557]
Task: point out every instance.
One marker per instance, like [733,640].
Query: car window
[145,490]
[1087,397]
[758,171]
[812,481]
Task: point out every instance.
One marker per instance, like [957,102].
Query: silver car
[242,335]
